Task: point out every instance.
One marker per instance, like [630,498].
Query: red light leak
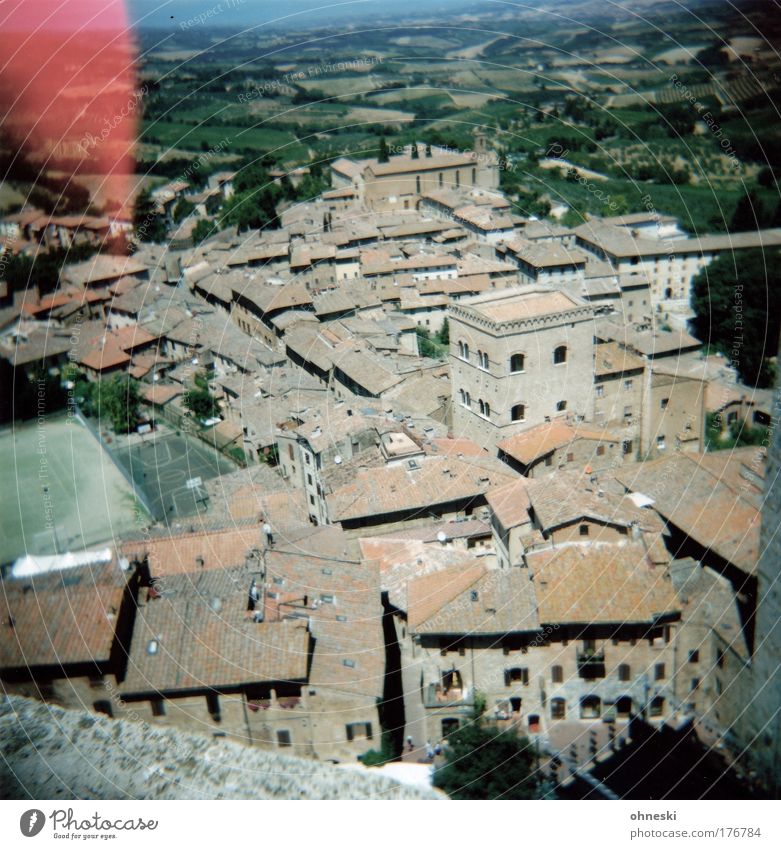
[69,99]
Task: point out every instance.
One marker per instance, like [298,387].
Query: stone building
[520,357]
[401,182]
[546,643]
[751,693]
[560,445]
[275,648]
[65,635]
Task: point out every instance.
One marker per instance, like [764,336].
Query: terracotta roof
[109,356]
[705,506]
[600,582]
[474,601]
[63,618]
[510,504]
[459,446]
[349,647]
[433,480]
[521,303]
[536,442]
[428,594]
[181,553]
[160,393]
[102,267]
[565,497]
[610,358]
[401,559]
[197,635]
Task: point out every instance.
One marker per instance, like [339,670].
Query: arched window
[624,672]
[560,355]
[474,176]
[516,363]
[518,413]
[466,351]
[558,709]
[484,361]
[557,674]
[487,410]
[468,399]
[417,184]
[481,406]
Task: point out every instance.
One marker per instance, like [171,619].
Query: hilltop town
[460,462]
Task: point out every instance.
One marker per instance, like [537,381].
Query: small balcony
[591,664]
[435,696]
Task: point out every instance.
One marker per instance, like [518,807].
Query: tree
[199,401]
[182,209]
[749,213]
[737,310]
[149,225]
[444,333]
[766,178]
[487,764]
[384,153]
[117,399]
[202,230]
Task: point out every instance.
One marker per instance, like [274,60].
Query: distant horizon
[293,14]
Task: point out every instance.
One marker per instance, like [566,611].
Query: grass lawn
[60,490]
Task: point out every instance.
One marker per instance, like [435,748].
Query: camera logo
[31,822]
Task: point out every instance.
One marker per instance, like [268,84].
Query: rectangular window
[659,672]
[284,740]
[694,684]
[664,403]
[628,384]
[158,707]
[558,709]
[600,391]
[600,450]
[694,656]
[358,731]
[517,676]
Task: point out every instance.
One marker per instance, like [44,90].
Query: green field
[228,138]
[61,491]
